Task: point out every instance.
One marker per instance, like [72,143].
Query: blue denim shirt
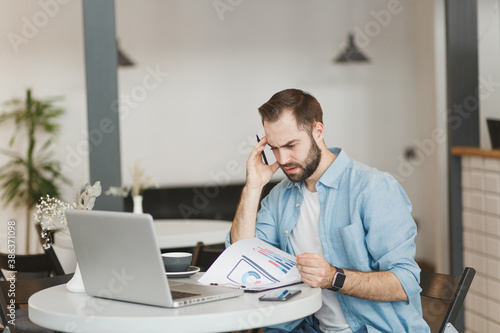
[365,224]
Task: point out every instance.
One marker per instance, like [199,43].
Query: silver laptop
[119,259]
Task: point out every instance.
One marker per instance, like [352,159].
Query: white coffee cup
[176,261]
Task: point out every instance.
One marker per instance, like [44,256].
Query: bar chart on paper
[282,263]
[254,265]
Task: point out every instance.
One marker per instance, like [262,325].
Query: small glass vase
[137,204]
[75,285]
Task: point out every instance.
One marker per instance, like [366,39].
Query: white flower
[50,214]
[50,211]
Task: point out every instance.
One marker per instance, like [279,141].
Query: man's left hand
[315,271]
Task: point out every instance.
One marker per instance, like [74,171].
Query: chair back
[9,300]
[204,256]
[443,296]
[49,251]
[24,264]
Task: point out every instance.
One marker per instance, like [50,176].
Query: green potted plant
[29,175]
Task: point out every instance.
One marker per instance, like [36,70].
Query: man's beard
[308,167]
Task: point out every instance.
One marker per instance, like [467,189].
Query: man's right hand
[258,173]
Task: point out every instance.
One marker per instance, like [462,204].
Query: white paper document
[254,265]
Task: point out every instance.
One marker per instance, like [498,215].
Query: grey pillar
[463,105]
[463,111]
[102,97]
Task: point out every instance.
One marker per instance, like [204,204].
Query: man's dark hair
[304,106]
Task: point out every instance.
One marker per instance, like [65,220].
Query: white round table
[60,310]
[175,233]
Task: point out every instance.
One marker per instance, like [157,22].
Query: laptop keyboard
[182,294]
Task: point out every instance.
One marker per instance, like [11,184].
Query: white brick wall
[481,237]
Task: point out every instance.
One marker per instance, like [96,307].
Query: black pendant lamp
[352,53]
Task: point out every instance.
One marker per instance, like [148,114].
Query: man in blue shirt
[348,224]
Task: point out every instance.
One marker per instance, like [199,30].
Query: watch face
[339,280]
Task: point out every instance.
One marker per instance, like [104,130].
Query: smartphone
[263,155]
[280,295]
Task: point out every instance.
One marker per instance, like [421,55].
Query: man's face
[295,150]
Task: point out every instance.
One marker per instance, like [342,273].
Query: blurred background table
[171,234]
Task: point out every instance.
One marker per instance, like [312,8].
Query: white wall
[46,56]
[221,71]
[201,118]
[489,66]
[429,166]
[440,189]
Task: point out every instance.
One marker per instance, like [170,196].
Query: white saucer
[191,271]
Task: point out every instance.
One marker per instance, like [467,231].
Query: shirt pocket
[351,241]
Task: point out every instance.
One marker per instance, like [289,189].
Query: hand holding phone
[280,295]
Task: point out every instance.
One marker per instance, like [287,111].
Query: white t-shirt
[305,239]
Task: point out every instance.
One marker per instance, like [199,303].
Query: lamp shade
[123,60]
[351,53]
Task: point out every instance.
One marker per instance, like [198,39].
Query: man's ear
[318,132]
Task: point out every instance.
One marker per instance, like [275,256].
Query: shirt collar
[331,177]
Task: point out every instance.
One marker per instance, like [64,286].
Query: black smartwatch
[338,279]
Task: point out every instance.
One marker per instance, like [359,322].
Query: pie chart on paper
[251,277]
